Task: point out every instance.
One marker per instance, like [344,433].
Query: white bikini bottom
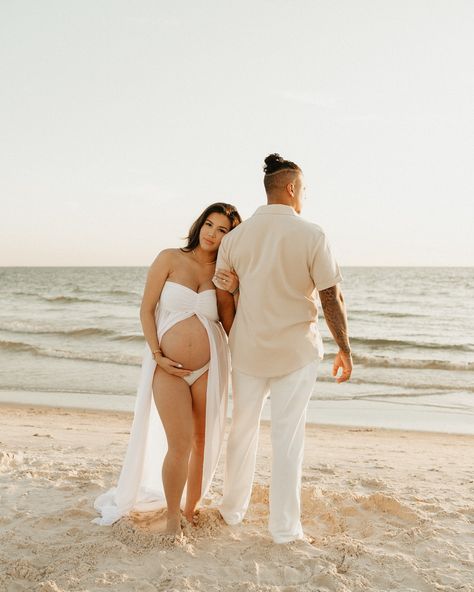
[195,374]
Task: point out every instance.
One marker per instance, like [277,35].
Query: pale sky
[121,120]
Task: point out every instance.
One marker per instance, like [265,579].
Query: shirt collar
[276,209]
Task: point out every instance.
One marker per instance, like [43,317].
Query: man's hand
[342,360]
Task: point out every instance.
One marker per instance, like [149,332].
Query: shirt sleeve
[324,269]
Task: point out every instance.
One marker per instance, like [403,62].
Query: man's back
[280,260]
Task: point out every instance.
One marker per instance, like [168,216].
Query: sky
[121,120]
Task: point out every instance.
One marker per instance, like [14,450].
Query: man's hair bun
[274,162]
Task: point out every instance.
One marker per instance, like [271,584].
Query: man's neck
[279,202]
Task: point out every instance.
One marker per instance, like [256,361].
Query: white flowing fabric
[140,486]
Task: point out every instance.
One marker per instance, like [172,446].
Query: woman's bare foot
[192,517]
[149,521]
[157,522]
[173,524]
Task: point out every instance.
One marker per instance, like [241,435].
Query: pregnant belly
[187,343]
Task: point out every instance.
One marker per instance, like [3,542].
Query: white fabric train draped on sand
[140,486]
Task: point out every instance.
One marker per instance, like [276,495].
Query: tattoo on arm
[335,316]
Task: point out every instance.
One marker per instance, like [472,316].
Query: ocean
[72,337]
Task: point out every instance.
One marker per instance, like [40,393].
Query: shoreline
[263,422]
[388,414]
[123,413]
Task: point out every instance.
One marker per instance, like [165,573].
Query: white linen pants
[290,395]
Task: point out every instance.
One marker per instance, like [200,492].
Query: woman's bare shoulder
[164,261]
[168,255]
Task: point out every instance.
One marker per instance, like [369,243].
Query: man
[274,341]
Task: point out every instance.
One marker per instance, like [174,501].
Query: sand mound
[139,540]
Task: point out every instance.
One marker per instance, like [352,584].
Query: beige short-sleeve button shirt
[281,259]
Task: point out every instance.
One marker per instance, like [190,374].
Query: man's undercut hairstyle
[278,172]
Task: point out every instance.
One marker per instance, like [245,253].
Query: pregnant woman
[175,444]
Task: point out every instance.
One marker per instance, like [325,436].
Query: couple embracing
[255,281]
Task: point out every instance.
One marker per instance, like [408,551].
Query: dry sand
[382,510]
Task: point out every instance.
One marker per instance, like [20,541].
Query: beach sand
[382,510]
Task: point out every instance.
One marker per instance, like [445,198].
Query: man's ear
[291,189]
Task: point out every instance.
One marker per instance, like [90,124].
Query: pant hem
[230,521]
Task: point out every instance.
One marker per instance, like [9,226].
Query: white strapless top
[176,298]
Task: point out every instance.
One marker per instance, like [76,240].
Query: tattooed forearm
[335,316]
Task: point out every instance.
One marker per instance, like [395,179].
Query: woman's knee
[180,448]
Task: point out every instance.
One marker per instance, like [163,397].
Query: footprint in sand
[327,469]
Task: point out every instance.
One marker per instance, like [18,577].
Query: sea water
[72,337]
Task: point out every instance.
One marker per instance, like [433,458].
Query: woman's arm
[227,283]
[226,309]
[157,275]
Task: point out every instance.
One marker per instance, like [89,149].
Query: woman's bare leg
[194,486]
[174,403]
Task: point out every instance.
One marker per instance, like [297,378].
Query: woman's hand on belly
[172,367]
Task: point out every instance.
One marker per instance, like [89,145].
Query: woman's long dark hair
[216,208]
